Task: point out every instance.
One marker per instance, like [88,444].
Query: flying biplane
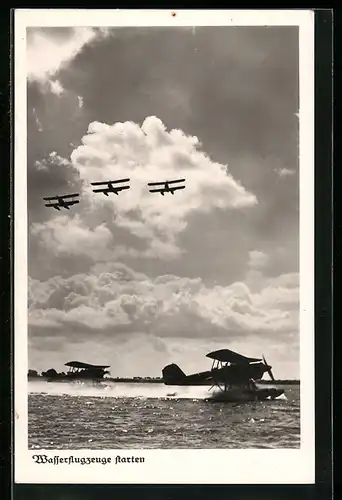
[232,373]
[164,187]
[61,201]
[109,188]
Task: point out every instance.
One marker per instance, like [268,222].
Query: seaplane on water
[232,373]
[85,370]
[164,187]
[61,201]
[78,371]
[108,187]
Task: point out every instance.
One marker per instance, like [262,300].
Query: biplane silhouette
[61,201]
[109,187]
[232,373]
[78,371]
[164,187]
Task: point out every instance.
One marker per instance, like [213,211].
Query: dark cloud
[235,88]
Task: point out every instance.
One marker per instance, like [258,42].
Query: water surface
[146,416]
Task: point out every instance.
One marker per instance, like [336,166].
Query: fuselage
[230,374]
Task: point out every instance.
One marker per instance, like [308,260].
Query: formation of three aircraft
[65,201]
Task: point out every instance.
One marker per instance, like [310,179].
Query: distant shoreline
[155,380]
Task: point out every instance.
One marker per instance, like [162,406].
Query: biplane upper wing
[164,182]
[108,182]
[156,183]
[50,198]
[110,189]
[68,195]
[62,197]
[228,356]
[78,364]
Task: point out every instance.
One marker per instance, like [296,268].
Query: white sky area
[140,280]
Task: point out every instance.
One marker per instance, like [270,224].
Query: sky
[138,280]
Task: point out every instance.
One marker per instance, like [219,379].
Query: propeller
[269,371]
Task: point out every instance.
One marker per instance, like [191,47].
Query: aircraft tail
[173,375]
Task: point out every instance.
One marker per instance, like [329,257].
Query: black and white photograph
[163,193]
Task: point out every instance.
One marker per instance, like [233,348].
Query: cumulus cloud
[56,87]
[114,299]
[285,172]
[63,234]
[257,259]
[48,51]
[53,159]
[147,153]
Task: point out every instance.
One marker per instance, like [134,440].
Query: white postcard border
[170,466]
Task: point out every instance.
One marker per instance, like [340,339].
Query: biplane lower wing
[110,189]
[56,206]
[166,190]
[67,204]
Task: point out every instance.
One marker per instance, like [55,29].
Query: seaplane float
[233,375]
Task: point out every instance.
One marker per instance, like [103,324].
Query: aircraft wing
[160,190]
[177,187]
[177,180]
[108,182]
[78,364]
[164,182]
[68,195]
[50,198]
[53,205]
[228,356]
